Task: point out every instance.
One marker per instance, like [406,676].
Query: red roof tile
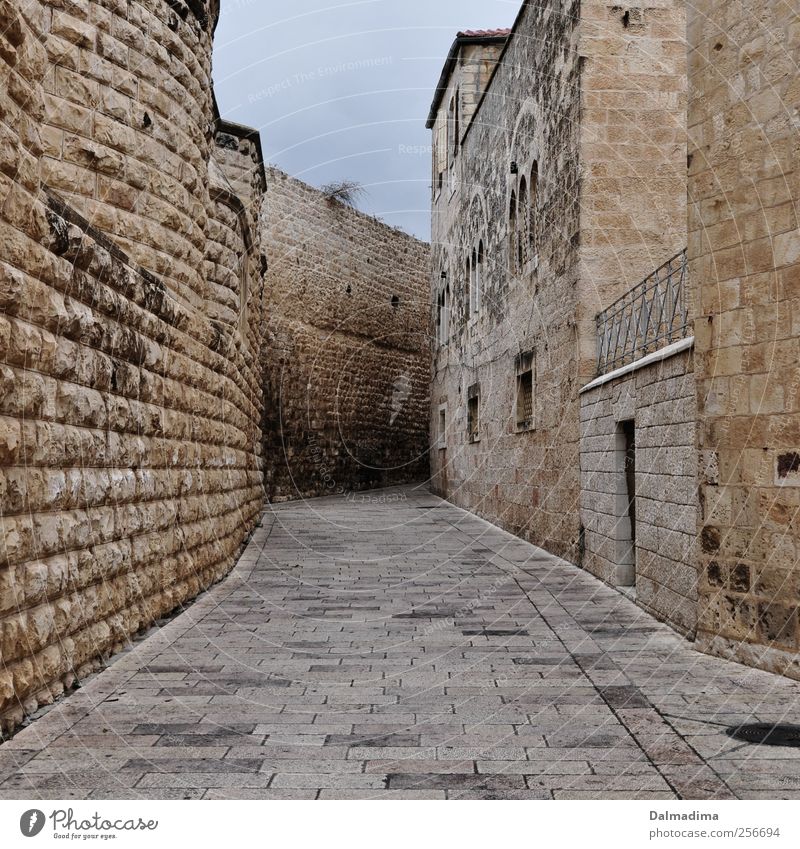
[484,33]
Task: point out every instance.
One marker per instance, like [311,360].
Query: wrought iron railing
[650,316]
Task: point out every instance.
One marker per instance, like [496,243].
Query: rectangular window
[442,434]
[473,413]
[524,394]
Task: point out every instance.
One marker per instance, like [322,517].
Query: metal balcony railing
[653,314]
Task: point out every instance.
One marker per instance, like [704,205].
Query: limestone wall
[346,356]
[524,479]
[662,571]
[744,251]
[633,151]
[127,135]
[569,215]
[130,446]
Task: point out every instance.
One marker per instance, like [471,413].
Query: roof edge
[499,36]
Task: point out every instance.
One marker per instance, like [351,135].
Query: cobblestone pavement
[398,647]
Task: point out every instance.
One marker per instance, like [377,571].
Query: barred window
[524,394]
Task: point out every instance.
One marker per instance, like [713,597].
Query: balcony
[652,315]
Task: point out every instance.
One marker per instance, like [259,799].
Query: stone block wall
[633,151]
[660,400]
[130,444]
[744,252]
[600,213]
[524,480]
[127,132]
[346,357]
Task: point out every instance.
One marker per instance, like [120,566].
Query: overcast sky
[341,90]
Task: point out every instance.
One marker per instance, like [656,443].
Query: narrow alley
[390,645]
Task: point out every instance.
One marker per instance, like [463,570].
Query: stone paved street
[398,647]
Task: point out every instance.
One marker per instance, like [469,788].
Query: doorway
[626,524]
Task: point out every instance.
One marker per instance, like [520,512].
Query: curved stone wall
[128,132]
[130,410]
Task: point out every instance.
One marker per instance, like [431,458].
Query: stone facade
[131,402]
[561,186]
[744,251]
[651,550]
[346,363]
[699,436]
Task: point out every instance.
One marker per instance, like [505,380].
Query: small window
[457,127]
[476,298]
[532,216]
[453,128]
[442,311]
[473,284]
[446,316]
[512,233]
[468,288]
[473,413]
[524,394]
[443,316]
[523,222]
[442,432]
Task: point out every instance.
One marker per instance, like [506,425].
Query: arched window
[533,239]
[512,233]
[479,278]
[473,284]
[451,115]
[446,315]
[442,304]
[457,134]
[523,222]
[453,127]
[468,289]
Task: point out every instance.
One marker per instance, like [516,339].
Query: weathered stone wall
[569,214]
[346,357]
[127,135]
[524,480]
[130,447]
[660,400]
[632,151]
[744,251]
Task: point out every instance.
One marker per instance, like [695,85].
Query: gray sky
[341,90]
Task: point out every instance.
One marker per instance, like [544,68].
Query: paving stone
[352,677]
[458,785]
[263,794]
[338,781]
[380,795]
[421,767]
[203,779]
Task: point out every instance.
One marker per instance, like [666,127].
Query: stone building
[558,183]
[346,365]
[599,388]
[744,263]
[130,331]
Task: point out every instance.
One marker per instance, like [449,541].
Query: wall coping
[655,357]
